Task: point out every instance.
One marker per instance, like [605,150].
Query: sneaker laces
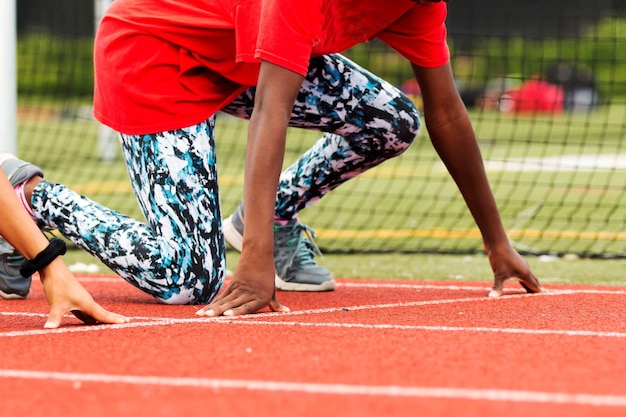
[307,248]
[301,238]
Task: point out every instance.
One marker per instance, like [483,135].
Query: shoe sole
[299,287]
[8,296]
[232,236]
[235,239]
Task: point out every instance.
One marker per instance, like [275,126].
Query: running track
[371,348]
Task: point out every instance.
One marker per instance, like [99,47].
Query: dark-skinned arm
[454,139]
[252,287]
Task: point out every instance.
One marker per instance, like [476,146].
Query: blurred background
[544,82]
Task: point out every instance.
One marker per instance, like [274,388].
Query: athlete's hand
[250,290]
[65,294]
[507,264]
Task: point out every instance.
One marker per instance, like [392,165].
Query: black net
[544,82]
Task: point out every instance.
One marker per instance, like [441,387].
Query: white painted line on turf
[517,396]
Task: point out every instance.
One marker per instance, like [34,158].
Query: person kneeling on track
[63,292]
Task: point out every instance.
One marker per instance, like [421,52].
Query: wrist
[56,247]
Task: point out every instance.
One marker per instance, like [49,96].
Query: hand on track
[249,292]
[65,294]
[508,264]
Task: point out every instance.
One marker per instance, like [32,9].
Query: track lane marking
[500,395]
[154,322]
[257,319]
[512,330]
[394,285]
[169,321]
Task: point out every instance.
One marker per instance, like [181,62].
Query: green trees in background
[54,66]
[599,49]
[68,61]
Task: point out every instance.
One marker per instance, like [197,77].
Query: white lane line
[583,333]
[255,319]
[25,314]
[414,286]
[474,288]
[169,321]
[519,396]
[156,321]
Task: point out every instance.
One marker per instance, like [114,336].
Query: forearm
[276,92]
[264,157]
[16,226]
[456,145]
[453,137]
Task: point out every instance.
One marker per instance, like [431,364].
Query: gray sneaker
[12,284]
[294,254]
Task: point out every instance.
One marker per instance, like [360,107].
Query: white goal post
[107,138]
[8,76]
[8,81]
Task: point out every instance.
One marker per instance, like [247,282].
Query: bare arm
[275,96]
[454,139]
[63,292]
[252,287]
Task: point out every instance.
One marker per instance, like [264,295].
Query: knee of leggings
[191,292]
[405,133]
[413,122]
[175,300]
[183,298]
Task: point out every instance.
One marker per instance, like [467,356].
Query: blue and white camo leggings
[178,256]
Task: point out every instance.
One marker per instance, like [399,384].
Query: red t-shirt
[167,64]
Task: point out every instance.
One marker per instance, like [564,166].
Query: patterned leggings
[178,256]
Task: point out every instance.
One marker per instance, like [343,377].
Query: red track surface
[368,349]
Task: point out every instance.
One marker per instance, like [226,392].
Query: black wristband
[55,248]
